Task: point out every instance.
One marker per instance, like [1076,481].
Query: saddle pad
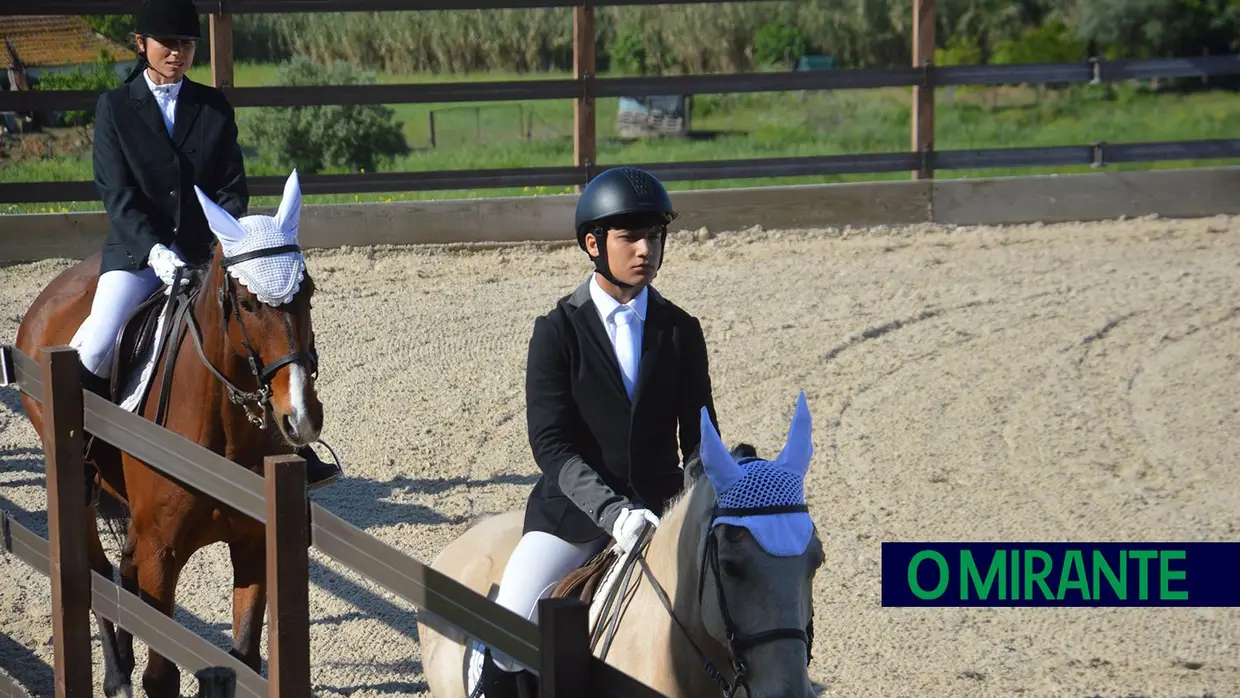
[136,382]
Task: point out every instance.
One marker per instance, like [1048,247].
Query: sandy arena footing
[1058,382]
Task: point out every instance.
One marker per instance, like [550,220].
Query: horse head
[757,552]
[264,290]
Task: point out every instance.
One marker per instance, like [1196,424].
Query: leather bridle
[262,373]
[736,644]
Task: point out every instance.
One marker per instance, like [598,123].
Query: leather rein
[736,644]
[262,373]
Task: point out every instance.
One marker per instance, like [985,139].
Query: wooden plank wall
[1048,198]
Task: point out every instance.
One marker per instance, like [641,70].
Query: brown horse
[248,362]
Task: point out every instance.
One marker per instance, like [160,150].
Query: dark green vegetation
[723,37]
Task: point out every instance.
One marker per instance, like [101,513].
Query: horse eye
[732,568]
[247,305]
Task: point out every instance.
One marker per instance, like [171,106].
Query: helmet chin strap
[602,266]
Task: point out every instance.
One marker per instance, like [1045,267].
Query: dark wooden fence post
[69,567]
[216,682]
[221,26]
[565,652]
[288,577]
[923,94]
[584,142]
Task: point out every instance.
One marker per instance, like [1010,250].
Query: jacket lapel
[147,108]
[588,322]
[652,342]
[187,110]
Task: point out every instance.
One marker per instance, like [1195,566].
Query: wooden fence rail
[279,500]
[585,87]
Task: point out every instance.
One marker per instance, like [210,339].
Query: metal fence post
[565,648]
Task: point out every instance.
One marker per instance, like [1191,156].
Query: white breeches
[538,563]
[118,293]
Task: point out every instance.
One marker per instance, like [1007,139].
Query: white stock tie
[627,347]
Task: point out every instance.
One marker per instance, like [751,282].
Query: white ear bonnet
[274,279]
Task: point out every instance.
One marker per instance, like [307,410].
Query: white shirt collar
[607,305]
[162,91]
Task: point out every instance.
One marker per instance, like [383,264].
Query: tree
[355,137]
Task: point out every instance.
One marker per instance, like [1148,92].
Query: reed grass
[693,38]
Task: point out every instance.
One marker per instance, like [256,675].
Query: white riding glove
[629,524]
[165,262]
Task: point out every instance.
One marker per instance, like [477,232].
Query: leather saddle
[138,336]
[583,582]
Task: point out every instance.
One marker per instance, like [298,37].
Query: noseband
[262,373]
[736,644]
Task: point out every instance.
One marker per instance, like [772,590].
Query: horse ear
[289,214]
[226,228]
[799,449]
[720,468]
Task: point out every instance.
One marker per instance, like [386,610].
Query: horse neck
[209,316]
[674,559]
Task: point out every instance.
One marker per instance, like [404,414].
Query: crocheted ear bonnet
[273,279]
[754,482]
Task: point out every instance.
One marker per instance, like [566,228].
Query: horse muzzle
[298,410]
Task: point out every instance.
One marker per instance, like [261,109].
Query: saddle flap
[134,338]
[583,581]
[153,330]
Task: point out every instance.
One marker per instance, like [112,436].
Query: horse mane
[695,475]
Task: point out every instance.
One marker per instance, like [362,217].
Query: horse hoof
[114,689]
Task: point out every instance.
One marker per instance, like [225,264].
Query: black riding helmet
[628,193]
[165,19]
[168,19]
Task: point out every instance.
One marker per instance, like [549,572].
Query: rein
[736,645]
[262,374]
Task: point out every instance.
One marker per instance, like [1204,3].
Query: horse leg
[158,569]
[249,561]
[129,582]
[115,672]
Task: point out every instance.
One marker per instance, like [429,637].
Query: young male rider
[616,376]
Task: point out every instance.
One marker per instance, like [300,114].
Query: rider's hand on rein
[165,262]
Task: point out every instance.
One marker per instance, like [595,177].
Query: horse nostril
[288,426]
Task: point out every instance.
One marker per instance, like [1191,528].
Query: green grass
[491,135]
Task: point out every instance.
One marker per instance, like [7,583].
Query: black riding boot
[94,446]
[95,384]
[318,473]
[495,682]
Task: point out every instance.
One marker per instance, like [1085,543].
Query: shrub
[778,44]
[100,75]
[114,27]
[627,53]
[1052,42]
[354,137]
